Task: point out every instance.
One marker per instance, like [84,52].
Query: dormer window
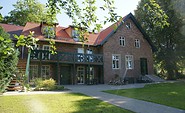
[49,31]
[75,34]
[128,25]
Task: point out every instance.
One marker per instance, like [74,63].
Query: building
[122,52]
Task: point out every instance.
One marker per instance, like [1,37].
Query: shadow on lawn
[96,106]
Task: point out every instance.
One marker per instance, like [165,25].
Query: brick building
[125,52]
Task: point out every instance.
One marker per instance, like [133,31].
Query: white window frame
[128,25]
[129,61]
[80,74]
[46,49]
[44,73]
[137,43]
[37,47]
[116,61]
[90,58]
[81,56]
[89,51]
[75,34]
[122,41]
[34,70]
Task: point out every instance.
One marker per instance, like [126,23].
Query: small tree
[30,42]
[8,60]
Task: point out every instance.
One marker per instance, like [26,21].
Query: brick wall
[112,47]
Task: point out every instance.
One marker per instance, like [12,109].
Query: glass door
[90,76]
[80,75]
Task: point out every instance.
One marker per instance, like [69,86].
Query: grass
[56,103]
[170,94]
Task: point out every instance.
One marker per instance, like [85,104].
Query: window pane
[115,61]
[129,61]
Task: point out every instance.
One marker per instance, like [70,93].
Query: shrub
[38,82]
[48,84]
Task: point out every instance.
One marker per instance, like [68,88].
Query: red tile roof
[63,35]
[12,29]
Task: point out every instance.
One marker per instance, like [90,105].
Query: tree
[28,11]
[162,23]
[1,17]
[84,15]
[8,59]
[30,43]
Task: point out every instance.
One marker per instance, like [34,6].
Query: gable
[108,32]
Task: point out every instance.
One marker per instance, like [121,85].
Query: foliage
[56,103]
[8,59]
[84,15]
[170,94]
[1,17]
[28,41]
[23,80]
[48,84]
[52,46]
[162,23]
[49,31]
[28,11]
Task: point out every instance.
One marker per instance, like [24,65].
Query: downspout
[28,65]
[22,52]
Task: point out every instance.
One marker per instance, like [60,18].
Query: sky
[123,7]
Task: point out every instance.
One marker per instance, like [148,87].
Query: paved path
[95,91]
[135,105]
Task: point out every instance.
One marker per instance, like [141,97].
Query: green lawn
[56,103]
[170,94]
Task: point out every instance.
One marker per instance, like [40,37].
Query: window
[90,56]
[128,25]
[80,56]
[49,31]
[45,71]
[46,47]
[137,43]
[122,41]
[46,53]
[37,47]
[33,72]
[35,54]
[116,61]
[129,62]
[89,51]
[75,34]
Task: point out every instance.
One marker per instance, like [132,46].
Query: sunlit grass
[170,94]
[56,103]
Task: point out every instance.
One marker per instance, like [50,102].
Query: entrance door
[80,75]
[143,65]
[65,75]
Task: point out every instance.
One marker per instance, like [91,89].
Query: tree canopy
[162,23]
[1,17]
[83,14]
[8,59]
[28,11]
